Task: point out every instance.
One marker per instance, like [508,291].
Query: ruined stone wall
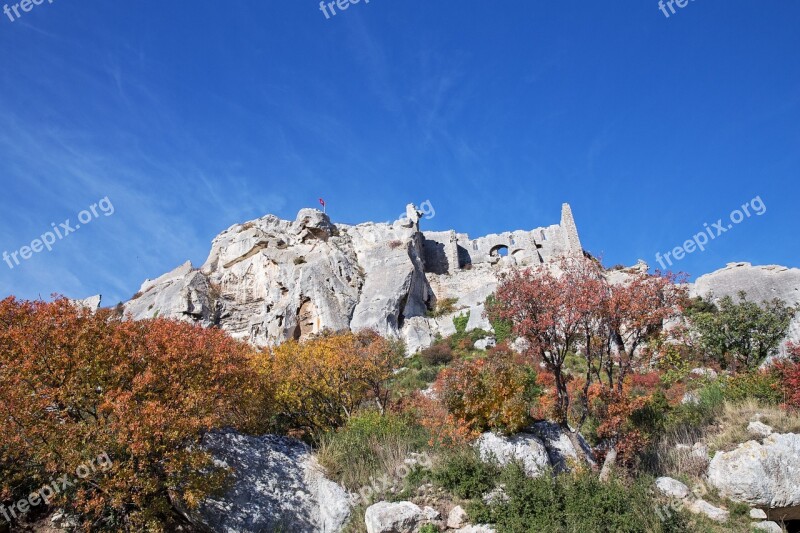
[522,248]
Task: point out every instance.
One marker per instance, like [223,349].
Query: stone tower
[570,231]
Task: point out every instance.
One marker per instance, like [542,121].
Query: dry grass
[730,429]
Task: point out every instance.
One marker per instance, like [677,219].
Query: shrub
[439,354]
[463,474]
[789,372]
[77,384]
[460,322]
[369,445]
[742,334]
[502,328]
[445,306]
[761,385]
[574,502]
[494,392]
[319,383]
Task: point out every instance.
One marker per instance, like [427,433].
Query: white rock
[758,514]
[759,429]
[690,398]
[276,483]
[672,488]
[761,475]
[430,513]
[559,445]
[527,449]
[400,517]
[484,343]
[771,527]
[701,506]
[708,373]
[457,518]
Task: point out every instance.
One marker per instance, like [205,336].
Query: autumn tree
[76,384]
[317,384]
[495,392]
[573,308]
[789,372]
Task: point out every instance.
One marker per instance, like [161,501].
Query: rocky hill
[270,279]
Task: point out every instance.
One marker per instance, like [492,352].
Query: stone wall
[448,251]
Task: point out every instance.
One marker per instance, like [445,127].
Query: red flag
[322,202]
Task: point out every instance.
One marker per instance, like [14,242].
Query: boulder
[762,475]
[672,488]
[759,429]
[400,517]
[770,527]
[275,484]
[525,448]
[457,518]
[484,343]
[563,447]
[700,506]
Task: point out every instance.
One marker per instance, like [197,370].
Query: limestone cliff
[269,279]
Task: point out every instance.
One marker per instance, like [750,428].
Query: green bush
[460,322]
[693,416]
[574,503]
[502,328]
[762,386]
[463,474]
[741,335]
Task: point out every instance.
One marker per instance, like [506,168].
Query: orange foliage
[317,384]
[76,384]
[789,372]
[490,393]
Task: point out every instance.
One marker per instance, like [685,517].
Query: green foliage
[369,445]
[574,503]
[694,415]
[443,307]
[460,322]
[741,334]
[463,474]
[502,328]
[759,385]
[429,528]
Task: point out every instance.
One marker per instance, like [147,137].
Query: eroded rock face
[270,279]
[277,485]
[563,448]
[763,475]
[761,283]
[527,449]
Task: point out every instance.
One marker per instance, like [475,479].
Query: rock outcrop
[276,485]
[543,446]
[762,475]
[523,448]
[400,517]
[761,283]
[270,280]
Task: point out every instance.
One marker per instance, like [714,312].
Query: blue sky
[193,116]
